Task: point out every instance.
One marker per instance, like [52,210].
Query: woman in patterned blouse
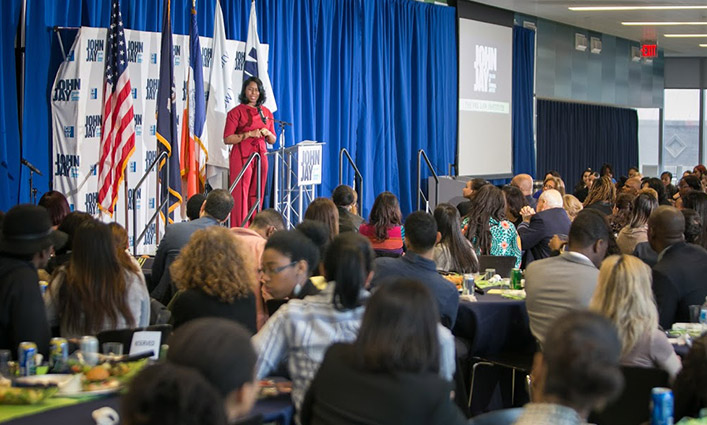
[487,228]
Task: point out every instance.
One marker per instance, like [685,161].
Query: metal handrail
[357,175]
[136,239]
[259,190]
[420,155]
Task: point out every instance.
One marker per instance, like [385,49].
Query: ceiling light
[620,8]
[663,23]
[685,35]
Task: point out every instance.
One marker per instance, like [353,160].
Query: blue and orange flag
[167,135]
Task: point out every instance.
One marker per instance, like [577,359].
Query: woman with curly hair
[602,195]
[385,226]
[486,226]
[214,280]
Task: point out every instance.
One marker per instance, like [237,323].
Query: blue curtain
[378,77]
[523,79]
[574,136]
[9,119]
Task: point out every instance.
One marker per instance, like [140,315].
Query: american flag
[118,129]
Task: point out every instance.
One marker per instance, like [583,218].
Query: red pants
[246,192]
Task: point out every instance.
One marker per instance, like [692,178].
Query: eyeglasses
[276,270]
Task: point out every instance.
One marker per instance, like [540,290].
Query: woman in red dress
[248,127]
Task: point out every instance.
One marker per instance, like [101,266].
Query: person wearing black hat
[26,244]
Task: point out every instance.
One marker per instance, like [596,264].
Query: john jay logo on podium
[485,67]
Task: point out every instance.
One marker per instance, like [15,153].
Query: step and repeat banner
[77,103]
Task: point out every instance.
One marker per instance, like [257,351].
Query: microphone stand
[32,170]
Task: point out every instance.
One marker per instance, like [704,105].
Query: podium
[297,173]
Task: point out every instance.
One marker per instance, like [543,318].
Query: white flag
[256,60]
[221,100]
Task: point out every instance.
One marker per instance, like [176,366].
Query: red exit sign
[649,50]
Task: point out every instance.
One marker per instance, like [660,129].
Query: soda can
[516,276]
[26,352]
[58,354]
[89,349]
[661,406]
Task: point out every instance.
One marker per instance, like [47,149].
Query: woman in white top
[96,291]
[453,252]
[623,295]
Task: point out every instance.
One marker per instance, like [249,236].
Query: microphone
[283,123]
[30,166]
[262,115]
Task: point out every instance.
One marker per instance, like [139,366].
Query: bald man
[632,186]
[539,226]
[680,276]
[524,182]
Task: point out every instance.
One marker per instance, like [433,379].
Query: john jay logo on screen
[64,164]
[151,88]
[67,89]
[91,204]
[94,50]
[485,67]
[138,124]
[134,51]
[69,131]
[206,55]
[138,197]
[93,126]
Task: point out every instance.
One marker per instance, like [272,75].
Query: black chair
[502,264]
[498,417]
[633,405]
[125,336]
[165,289]
[515,361]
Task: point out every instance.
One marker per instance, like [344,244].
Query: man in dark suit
[679,277]
[344,197]
[214,211]
[538,228]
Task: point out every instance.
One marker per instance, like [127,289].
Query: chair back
[497,417]
[125,336]
[165,288]
[502,264]
[633,405]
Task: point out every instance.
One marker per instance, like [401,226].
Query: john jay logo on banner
[134,51]
[153,58]
[138,196]
[93,126]
[138,124]
[151,88]
[206,54]
[94,93]
[133,166]
[69,131]
[240,61]
[485,67]
[91,204]
[152,203]
[149,158]
[94,50]
[177,54]
[67,89]
[153,130]
[70,56]
[134,92]
[64,164]
[149,235]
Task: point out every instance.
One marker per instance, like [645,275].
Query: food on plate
[456,279]
[19,395]
[97,373]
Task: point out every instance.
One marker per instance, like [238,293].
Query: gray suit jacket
[555,286]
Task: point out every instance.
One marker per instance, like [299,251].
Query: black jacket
[535,235]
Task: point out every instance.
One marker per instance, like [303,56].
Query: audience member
[391,370]
[657,185]
[121,241]
[608,171]
[667,178]
[96,291]
[301,330]
[693,226]
[214,211]
[69,225]
[214,279]
[636,230]
[221,352]
[26,243]
[486,227]
[454,252]
[324,211]
[515,201]
[679,275]
[633,172]
[385,226]
[632,186]
[524,182]
[602,195]
[581,190]
[539,227]
[699,171]
[690,386]
[253,239]
[57,206]
[622,212]
[572,206]
[418,263]
[687,184]
[345,199]
[698,201]
[471,187]
[168,394]
[554,183]
[194,205]
[579,374]
[557,285]
[318,233]
[624,296]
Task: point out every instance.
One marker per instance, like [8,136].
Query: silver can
[89,349]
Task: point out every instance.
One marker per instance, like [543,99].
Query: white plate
[49,379]
[82,394]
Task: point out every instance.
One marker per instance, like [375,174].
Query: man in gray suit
[214,211]
[557,285]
